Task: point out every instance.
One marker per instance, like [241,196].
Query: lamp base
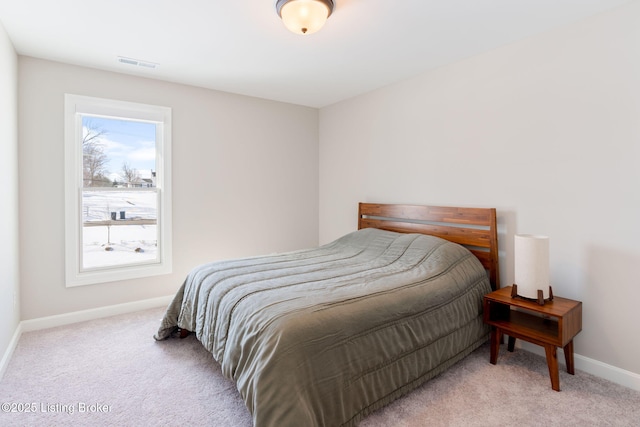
[540,300]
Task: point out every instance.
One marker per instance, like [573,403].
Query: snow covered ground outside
[118,244]
[97,205]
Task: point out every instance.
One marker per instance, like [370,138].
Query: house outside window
[117,190]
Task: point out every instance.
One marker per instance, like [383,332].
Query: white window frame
[75,107]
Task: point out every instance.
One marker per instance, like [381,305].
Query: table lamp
[532,268]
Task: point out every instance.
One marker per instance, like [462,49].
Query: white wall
[245,180]
[547,130]
[9,265]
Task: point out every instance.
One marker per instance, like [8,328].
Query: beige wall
[9,265]
[245,180]
[547,130]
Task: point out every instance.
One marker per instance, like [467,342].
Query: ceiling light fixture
[304,16]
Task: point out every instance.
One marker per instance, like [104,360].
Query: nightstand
[551,325]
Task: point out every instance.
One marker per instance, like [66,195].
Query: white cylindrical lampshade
[532,265]
[304,16]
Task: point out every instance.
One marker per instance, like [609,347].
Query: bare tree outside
[94,159]
[131,175]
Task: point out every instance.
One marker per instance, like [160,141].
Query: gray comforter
[322,337]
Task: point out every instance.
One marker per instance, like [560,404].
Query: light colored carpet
[66,376]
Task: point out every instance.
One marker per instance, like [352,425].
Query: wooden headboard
[474,228]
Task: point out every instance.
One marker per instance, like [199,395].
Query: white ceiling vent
[136,62]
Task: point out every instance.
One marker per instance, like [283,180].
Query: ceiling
[241,46]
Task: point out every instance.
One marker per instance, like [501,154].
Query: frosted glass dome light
[304,16]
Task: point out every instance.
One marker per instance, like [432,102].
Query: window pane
[119,227]
[118,153]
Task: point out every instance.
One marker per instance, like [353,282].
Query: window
[117,190]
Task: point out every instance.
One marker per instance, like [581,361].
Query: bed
[325,336]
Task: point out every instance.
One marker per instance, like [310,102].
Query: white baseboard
[75,317]
[94,313]
[591,366]
[9,352]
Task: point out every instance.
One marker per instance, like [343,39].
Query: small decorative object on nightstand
[532,268]
[551,325]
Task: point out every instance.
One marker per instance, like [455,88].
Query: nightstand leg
[496,337]
[511,344]
[568,358]
[552,363]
